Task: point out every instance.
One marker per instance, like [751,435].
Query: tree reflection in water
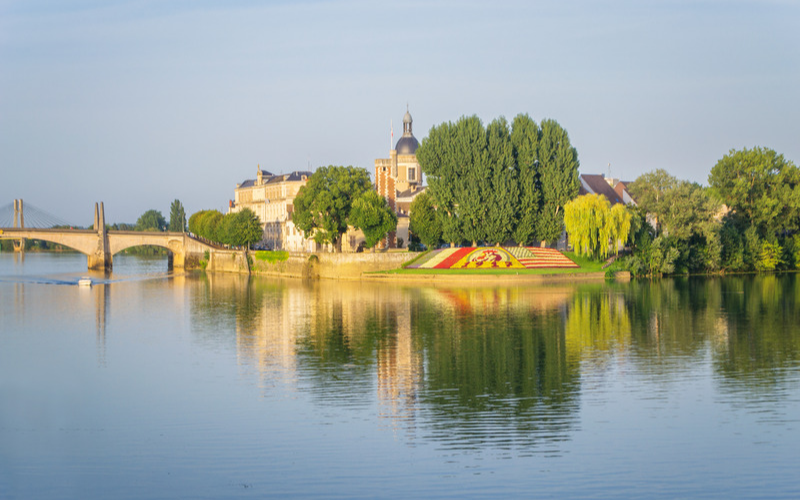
[500,368]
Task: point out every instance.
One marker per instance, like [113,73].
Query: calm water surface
[154,385]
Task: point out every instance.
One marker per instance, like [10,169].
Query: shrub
[272,256]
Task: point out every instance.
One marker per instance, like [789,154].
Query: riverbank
[388,267]
[499,279]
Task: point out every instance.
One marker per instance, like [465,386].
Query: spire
[407,123]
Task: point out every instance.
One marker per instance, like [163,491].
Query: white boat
[85,281]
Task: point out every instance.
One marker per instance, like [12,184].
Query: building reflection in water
[491,366]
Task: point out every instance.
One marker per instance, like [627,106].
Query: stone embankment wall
[225,261]
[338,266]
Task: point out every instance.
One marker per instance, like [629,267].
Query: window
[412,174]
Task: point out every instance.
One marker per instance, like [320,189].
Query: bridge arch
[82,241]
[175,243]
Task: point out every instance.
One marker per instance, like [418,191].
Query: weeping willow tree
[594,227]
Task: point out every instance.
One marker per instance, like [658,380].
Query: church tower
[399,177]
[400,172]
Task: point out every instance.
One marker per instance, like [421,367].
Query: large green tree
[152,220]
[241,228]
[558,178]
[177,217]
[493,184]
[594,226]
[207,224]
[373,215]
[423,222]
[502,199]
[475,178]
[525,135]
[322,207]
[650,192]
[438,158]
[687,209]
[761,186]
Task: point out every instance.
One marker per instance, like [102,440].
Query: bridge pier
[101,258]
[19,222]
[19,245]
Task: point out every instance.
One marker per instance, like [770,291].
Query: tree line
[497,184]
[240,228]
[747,219]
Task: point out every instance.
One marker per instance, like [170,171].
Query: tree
[686,210]
[502,199]
[438,161]
[475,178]
[373,215]
[525,135]
[152,220]
[206,224]
[761,186]
[593,225]
[558,178]
[495,184]
[619,225]
[241,228]
[649,190]
[322,207]
[177,217]
[423,221]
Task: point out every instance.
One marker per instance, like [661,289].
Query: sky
[137,103]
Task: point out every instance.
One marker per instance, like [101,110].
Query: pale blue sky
[136,103]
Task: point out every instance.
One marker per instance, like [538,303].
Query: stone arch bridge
[100,245]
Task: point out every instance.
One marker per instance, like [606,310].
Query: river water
[157,385]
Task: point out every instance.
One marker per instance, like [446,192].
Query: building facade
[399,179]
[271,198]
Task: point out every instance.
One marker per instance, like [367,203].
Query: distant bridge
[100,245]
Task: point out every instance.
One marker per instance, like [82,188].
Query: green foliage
[495,184]
[152,220]
[558,178]
[414,243]
[272,256]
[593,226]
[794,248]
[438,158]
[684,217]
[619,225]
[731,235]
[769,258]
[177,217]
[423,221]
[241,228]
[687,209]
[371,213]
[525,136]
[654,257]
[761,186]
[649,190]
[322,207]
[207,224]
[502,196]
